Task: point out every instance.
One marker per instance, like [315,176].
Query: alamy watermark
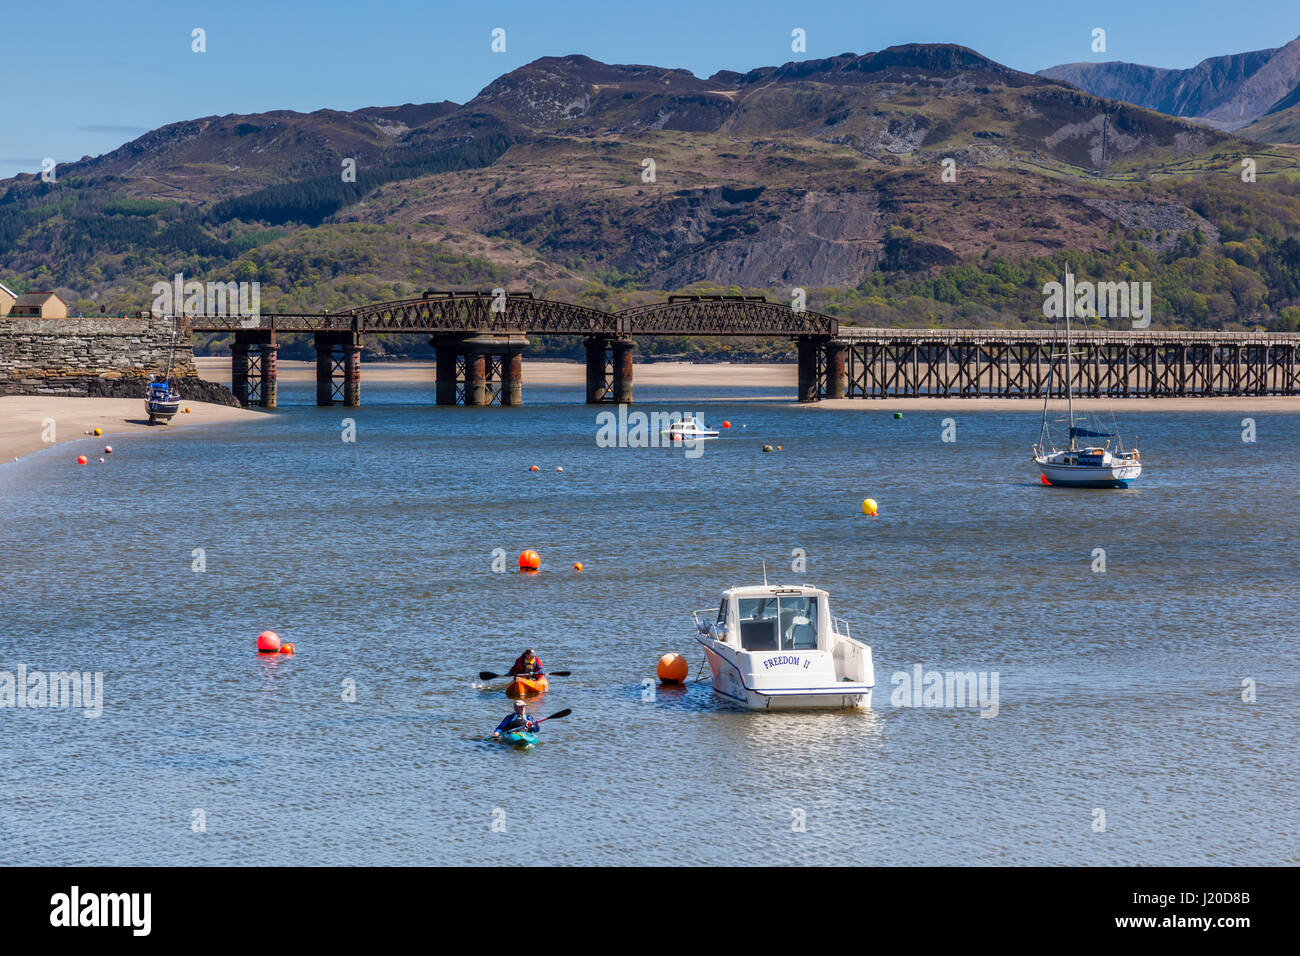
[946,689]
[1103,300]
[178,297]
[55,690]
[649,430]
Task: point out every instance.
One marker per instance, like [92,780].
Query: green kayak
[523,739]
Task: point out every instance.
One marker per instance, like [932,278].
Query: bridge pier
[810,348]
[512,378]
[338,368]
[836,376]
[610,364]
[479,370]
[253,367]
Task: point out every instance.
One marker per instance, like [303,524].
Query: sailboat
[162,401]
[1086,465]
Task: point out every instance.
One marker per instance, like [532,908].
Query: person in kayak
[528,664]
[518,720]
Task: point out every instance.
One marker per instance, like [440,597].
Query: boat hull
[729,683]
[527,686]
[161,411]
[1115,475]
[521,739]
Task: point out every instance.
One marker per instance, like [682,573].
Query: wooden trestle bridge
[479,339]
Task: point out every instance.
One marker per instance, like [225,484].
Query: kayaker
[517,720]
[527,663]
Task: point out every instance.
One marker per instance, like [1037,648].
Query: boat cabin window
[778,623]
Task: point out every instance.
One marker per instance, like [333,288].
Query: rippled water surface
[1118,692]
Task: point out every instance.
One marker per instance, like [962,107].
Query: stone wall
[101,357]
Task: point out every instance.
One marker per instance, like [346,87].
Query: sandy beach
[29,423]
[217,369]
[538,372]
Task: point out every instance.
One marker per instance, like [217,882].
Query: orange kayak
[524,686]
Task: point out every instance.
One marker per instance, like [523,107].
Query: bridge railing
[1039,336]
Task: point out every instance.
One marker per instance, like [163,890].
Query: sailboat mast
[1047,392]
[1069,359]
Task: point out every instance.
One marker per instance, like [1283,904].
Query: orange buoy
[529,561]
[726,424]
[286,647]
[559,469]
[534,468]
[673,668]
[81,459]
[268,642]
[186,410]
[577,565]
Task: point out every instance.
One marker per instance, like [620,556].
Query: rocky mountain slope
[920,184]
[1227,92]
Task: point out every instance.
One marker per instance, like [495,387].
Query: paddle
[488,675]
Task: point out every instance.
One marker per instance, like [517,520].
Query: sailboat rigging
[162,400]
[1087,465]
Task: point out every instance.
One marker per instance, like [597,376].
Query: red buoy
[81,459]
[1043,479]
[268,642]
[673,668]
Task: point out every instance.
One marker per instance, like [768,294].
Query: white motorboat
[779,648]
[1093,466]
[689,429]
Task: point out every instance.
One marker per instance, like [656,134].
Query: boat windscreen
[778,623]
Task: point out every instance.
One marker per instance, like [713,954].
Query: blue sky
[101,73]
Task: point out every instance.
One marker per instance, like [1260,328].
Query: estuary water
[1120,736]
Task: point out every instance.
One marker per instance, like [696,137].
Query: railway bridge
[479,338]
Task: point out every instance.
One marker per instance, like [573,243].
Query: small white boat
[162,402]
[779,648]
[1089,467]
[689,429]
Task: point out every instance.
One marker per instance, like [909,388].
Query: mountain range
[922,185]
[1228,92]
